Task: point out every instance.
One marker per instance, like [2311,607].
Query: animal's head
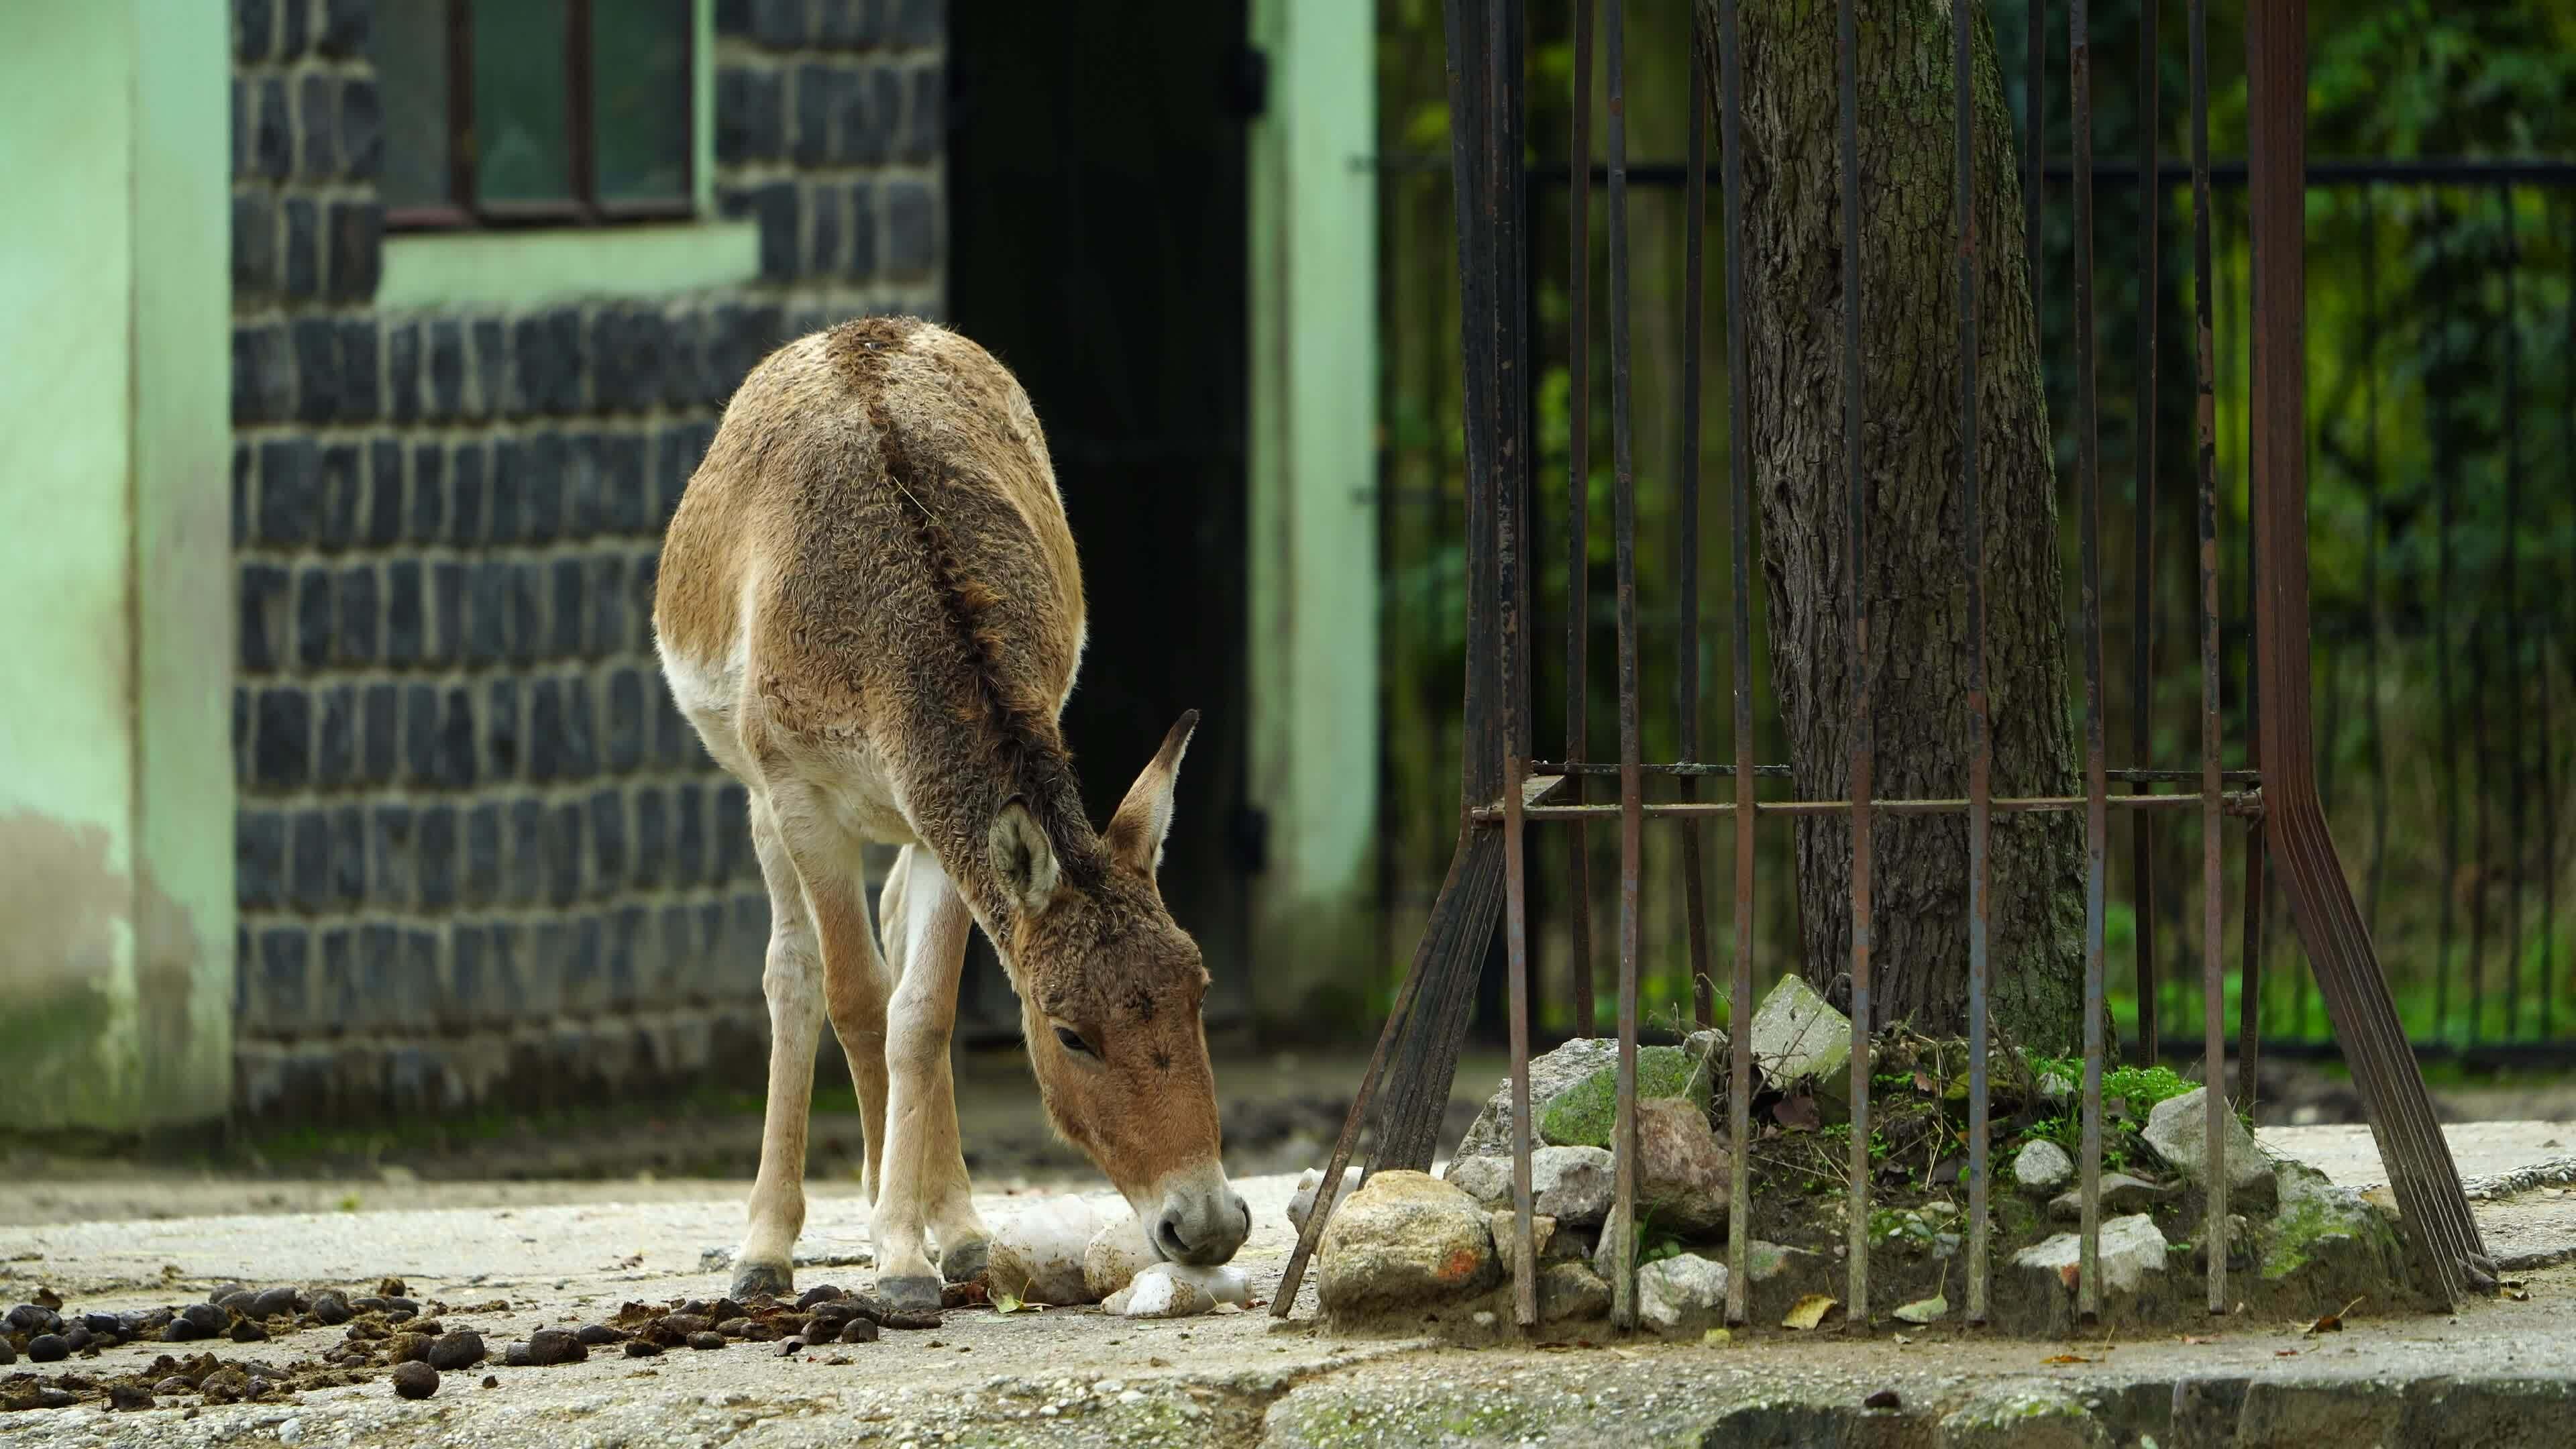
[1110,994]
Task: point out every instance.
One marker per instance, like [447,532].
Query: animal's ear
[1135,834]
[1023,859]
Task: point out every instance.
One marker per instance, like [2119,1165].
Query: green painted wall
[116,878]
[1313,517]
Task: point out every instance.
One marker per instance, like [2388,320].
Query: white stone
[2178,1130]
[1672,1292]
[1404,1240]
[2042,1167]
[1799,1040]
[2131,1249]
[1308,1182]
[1570,1184]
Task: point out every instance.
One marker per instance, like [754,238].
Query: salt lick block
[1038,1253]
[1116,1254]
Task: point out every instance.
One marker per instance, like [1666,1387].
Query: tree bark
[1914,575]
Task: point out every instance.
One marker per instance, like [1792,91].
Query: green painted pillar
[1313,529]
[116,801]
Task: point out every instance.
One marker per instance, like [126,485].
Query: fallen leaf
[1623,1353]
[2285,1353]
[1718,1337]
[1925,1310]
[2067,1358]
[1798,1112]
[1012,1303]
[2189,1338]
[1810,1311]
[1923,1082]
[2517,1293]
[1901,1339]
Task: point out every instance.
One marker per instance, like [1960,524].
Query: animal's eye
[1072,1041]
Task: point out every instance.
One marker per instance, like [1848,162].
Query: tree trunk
[1914,576]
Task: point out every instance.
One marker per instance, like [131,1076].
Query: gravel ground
[1075,1376]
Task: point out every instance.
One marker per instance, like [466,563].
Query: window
[535,112]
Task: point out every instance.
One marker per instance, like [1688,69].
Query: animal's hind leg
[925,1169]
[792,979]
[855,986]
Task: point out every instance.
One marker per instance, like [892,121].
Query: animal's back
[872,550]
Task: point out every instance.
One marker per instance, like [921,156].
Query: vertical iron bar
[1972,546]
[2088,451]
[1703,990]
[2034,181]
[1739,453]
[1512,506]
[1623,1284]
[2142,626]
[2516,786]
[1578,507]
[2249,971]
[1863,749]
[2440,428]
[2370,560]
[2549,738]
[2213,878]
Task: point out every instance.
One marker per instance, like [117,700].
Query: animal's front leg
[792,978]
[923,1173]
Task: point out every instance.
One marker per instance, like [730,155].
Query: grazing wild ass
[870,608]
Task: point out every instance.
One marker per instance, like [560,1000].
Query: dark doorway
[1096,202]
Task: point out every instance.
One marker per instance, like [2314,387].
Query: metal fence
[1507,790]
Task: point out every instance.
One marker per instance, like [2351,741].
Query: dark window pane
[522,151]
[411,80]
[640,90]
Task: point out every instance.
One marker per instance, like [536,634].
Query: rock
[1572,1291]
[1173,1290]
[2132,1248]
[735,1328]
[2042,1167]
[490,1382]
[128,1398]
[1404,1240]
[1570,1184]
[1801,1045]
[2178,1130]
[332,1308]
[1586,1114]
[458,1350]
[789,1348]
[516,1356]
[1505,1226]
[1037,1253]
[2328,1234]
[1312,1180]
[858,1330]
[549,1346]
[596,1335]
[408,1348]
[1678,1291]
[1707,1049]
[2121,1194]
[415,1380]
[1550,1073]
[2023,1418]
[706,1340]
[646,1348]
[273,1303]
[48,1348]
[1114,1256]
[1683,1174]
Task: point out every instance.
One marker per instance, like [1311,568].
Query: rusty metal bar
[1739,450]
[1973,549]
[2142,626]
[2517,784]
[1703,992]
[2549,737]
[2435,1213]
[1623,1253]
[2088,453]
[2213,874]
[1863,748]
[1511,569]
[1578,509]
[2438,426]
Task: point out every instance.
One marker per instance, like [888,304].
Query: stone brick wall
[481,856]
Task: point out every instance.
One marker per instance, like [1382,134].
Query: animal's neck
[954,810]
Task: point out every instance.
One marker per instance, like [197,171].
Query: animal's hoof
[774,1279]
[967,1261]
[912,1293]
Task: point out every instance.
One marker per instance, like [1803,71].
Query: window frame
[465,211]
